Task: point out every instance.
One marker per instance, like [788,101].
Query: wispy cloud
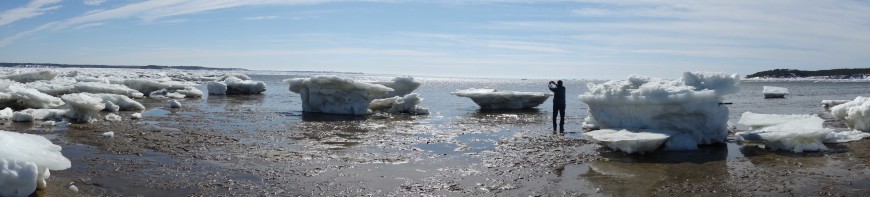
[33,9]
[262,18]
[94,2]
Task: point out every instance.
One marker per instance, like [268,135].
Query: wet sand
[236,145]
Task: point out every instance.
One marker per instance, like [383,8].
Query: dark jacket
[558,96]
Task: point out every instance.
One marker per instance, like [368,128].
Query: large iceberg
[690,108]
[336,95]
[774,92]
[25,161]
[401,86]
[408,104]
[855,113]
[492,99]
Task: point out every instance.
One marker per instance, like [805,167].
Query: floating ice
[136,115]
[401,86]
[408,104]
[827,104]
[83,108]
[494,99]
[145,86]
[689,106]
[629,141]
[31,76]
[108,134]
[796,133]
[774,92]
[25,161]
[856,113]
[174,104]
[113,117]
[336,95]
[95,87]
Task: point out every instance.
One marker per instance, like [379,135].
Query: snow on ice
[336,95]
[492,99]
[401,86]
[689,107]
[25,161]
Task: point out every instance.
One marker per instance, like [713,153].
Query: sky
[542,39]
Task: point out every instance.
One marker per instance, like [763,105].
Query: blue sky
[581,39]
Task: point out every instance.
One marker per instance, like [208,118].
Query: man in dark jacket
[558,103]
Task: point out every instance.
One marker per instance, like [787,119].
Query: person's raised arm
[552,86]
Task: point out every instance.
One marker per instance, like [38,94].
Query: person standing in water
[558,104]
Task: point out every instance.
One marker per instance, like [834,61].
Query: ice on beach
[408,104]
[164,93]
[95,88]
[29,115]
[145,86]
[796,133]
[108,134]
[73,188]
[113,117]
[28,77]
[174,104]
[124,103]
[6,113]
[136,116]
[216,88]
[236,75]
[189,91]
[25,161]
[241,86]
[827,104]
[18,96]
[498,100]
[629,141]
[58,86]
[83,107]
[855,113]
[401,86]
[336,95]
[111,107]
[689,106]
[774,92]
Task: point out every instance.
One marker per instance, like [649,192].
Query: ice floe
[774,92]
[827,104]
[336,95]
[690,107]
[28,77]
[408,104]
[492,99]
[629,141]
[25,161]
[796,133]
[855,113]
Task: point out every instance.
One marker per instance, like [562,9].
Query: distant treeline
[845,73]
[45,65]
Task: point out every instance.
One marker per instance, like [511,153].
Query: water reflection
[704,154]
[324,117]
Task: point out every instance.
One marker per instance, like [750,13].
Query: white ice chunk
[408,104]
[827,104]
[56,87]
[29,115]
[855,113]
[217,88]
[73,188]
[32,98]
[25,161]
[690,105]
[239,86]
[113,117]
[108,134]
[95,88]
[6,113]
[497,100]
[236,75]
[629,141]
[845,136]
[774,92]
[165,94]
[136,115]
[190,92]
[83,108]
[796,133]
[111,107]
[144,85]
[174,104]
[401,86]
[22,117]
[32,76]
[337,95]
[123,102]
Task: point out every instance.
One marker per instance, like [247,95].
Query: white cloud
[33,9]
[262,18]
[94,2]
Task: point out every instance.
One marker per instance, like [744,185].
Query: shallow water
[265,145]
